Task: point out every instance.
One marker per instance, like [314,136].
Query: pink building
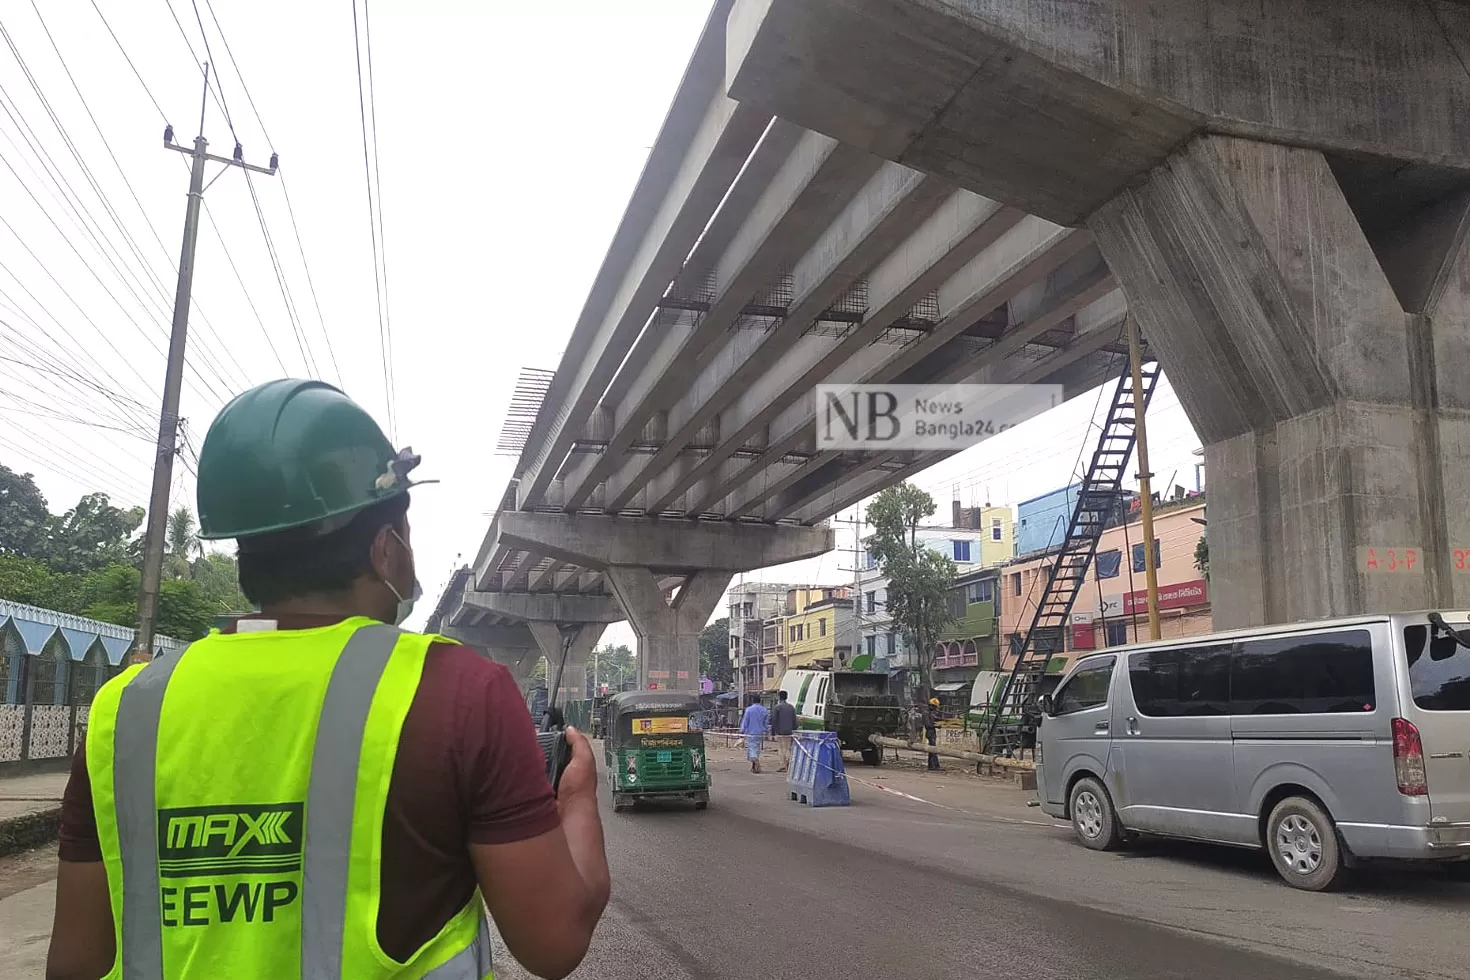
[1112,608]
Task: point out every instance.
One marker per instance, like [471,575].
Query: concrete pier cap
[636,553]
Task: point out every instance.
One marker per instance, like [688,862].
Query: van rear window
[1439,670]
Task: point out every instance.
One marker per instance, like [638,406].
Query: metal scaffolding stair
[1098,498]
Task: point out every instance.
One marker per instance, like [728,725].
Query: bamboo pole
[1145,485]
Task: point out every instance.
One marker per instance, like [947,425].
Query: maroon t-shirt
[468,771]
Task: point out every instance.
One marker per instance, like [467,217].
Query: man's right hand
[579,780]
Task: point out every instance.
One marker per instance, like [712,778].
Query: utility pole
[173,380]
[1145,478]
[857,583]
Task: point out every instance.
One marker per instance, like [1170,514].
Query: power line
[285,192]
[367,33]
[136,74]
[241,280]
[291,315]
[373,230]
[163,289]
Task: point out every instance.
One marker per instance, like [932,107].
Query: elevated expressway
[675,444]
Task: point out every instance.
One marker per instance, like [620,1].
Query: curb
[29,831]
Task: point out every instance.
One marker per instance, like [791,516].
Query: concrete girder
[668,632]
[803,198]
[1047,107]
[1029,251]
[514,578]
[771,151]
[825,502]
[549,607]
[597,541]
[589,581]
[705,140]
[959,229]
[545,576]
[1331,402]
[880,215]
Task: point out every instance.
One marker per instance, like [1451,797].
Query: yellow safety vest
[240,789]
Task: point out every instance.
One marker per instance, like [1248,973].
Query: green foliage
[919,578]
[1202,555]
[84,562]
[613,666]
[24,517]
[714,653]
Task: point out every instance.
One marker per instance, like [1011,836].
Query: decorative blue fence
[51,664]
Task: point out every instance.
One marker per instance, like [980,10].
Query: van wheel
[873,756]
[1302,841]
[1093,817]
[1458,870]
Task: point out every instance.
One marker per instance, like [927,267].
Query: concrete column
[1312,313]
[550,639]
[668,633]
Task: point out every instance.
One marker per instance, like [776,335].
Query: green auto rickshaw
[654,749]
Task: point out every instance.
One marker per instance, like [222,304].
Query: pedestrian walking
[754,726]
[312,791]
[928,714]
[783,725]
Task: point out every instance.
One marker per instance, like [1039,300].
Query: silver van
[1325,743]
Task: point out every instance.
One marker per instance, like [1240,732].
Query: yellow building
[817,630]
[997,543]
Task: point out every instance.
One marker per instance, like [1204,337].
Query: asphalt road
[761,887]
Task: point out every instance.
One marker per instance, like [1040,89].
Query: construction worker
[313,792]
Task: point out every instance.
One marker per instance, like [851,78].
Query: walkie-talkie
[553,734]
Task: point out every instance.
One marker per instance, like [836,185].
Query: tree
[24,516]
[1202,556]
[714,653]
[614,666]
[92,535]
[919,578]
[182,542]
[218,578]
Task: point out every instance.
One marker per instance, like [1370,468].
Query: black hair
[293,564]
[783,695]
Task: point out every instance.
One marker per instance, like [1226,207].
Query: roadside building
[751,606]
[1112,607]
[969,647]
[979,537]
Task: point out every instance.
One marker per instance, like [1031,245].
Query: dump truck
[853,703]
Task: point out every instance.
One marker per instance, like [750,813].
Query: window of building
[1117,633]
[961,550]
[1016,584]
[870,643]
[892,645]
[1088,688]
[770,671]
[982,591]
[1139,558]
[996,529]
[870,601]
[1109,563]
[1439,671]
[869,560]
[1321,673]
[1181,683]
[957,603]
[822,626]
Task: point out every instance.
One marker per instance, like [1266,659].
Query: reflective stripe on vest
[329,816]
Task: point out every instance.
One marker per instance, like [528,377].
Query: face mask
[405,606]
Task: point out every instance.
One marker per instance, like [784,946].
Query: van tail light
[1408,759]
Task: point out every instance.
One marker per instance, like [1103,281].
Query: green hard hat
[290,454]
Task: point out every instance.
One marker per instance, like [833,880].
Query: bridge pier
[636,553]
[538,624]
[1314,320]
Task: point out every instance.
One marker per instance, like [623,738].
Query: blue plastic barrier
[817,776]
